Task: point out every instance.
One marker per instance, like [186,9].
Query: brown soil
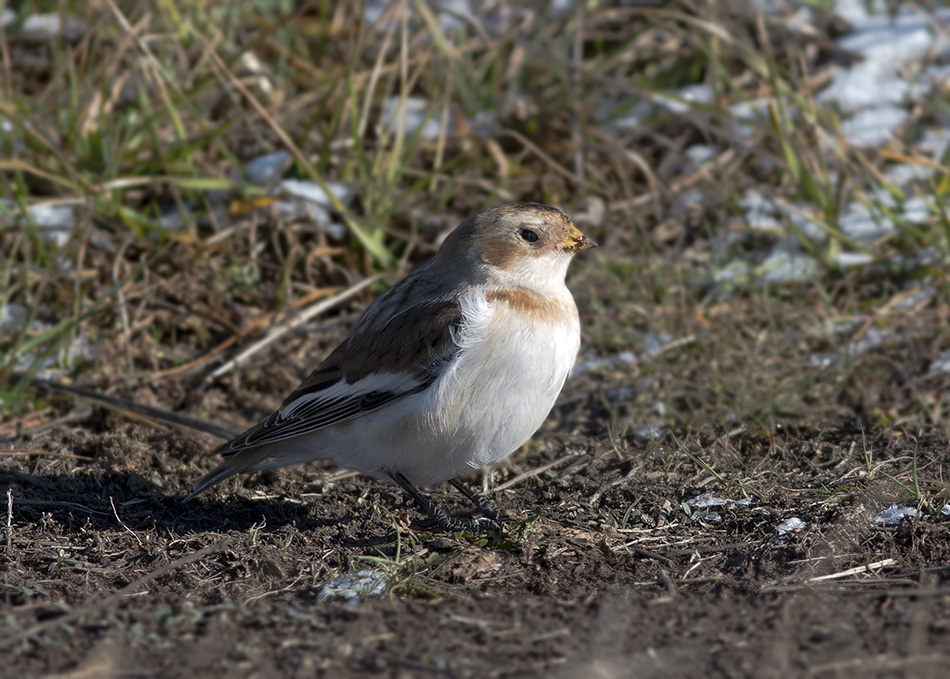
[604,573]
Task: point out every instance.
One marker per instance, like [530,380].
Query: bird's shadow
[114,500]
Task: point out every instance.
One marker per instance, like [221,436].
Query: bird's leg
[486,506]
[448,523]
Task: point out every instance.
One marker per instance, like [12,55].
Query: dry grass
[152,108]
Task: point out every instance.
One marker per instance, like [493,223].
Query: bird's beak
[576,241]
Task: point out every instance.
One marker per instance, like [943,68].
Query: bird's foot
[492,520]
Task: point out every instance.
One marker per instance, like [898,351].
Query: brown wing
[396,349]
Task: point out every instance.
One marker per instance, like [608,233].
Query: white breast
[509,371]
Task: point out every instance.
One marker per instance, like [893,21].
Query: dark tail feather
[226,469]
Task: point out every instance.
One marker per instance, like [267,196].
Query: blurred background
[767,181]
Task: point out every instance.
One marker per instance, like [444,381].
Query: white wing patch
[393,383]
[337,403]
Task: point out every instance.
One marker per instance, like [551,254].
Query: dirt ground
[607,571]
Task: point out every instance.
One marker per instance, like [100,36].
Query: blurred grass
[142,108]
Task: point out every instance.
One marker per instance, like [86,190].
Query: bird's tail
[231,466]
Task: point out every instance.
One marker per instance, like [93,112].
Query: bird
[451,369]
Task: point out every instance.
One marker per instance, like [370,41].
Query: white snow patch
[893,515]
[940,366]
[13,318]
[411,113]
[787,267]
[352,587]
[873,127]
[790,525]
[268,168]
[710,499]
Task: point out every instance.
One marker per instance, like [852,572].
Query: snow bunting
[451,369]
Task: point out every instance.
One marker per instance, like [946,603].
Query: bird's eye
[529,235]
